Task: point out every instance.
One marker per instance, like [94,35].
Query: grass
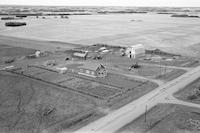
[171,75]
[23,101]
[118,63]
[10,51]
[165,118]
[115,88]
[187,93]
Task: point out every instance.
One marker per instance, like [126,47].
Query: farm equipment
[134,66]
[48,110]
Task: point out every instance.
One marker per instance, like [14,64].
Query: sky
[173,3]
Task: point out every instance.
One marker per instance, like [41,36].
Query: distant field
[166,118]
[153,30]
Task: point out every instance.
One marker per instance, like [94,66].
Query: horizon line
[98,6]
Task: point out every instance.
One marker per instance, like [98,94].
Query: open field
[7,51]
[24,104]
[168,76]
[177,35]
[182,61]
[190,92]
[166,118]
[36,44]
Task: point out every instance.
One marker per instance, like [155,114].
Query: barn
[135,51]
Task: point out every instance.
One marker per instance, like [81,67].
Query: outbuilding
[82,55]
[37,53]
[135,51]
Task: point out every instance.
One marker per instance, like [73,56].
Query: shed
[102,48]
[80,55]
[62,70]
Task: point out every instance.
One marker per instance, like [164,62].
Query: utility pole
[160,69]
[145,119]
[160,64]
[165,69]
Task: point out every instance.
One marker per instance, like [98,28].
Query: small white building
[80,54]
[135,51]
[37,53]
[62,70]
[102,48]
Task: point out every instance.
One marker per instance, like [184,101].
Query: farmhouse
[135,51]
[93,70]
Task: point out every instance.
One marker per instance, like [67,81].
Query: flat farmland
[24,104]
[77,84]
[170,75]
[188,93]
[33,71]
[47,76]
[112,86]
[11,51]
[93,88]
[120,81]
[39,73]
[177,35]
[111,92]
[166,118]
[182,61]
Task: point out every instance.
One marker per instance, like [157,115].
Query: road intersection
[121,117]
